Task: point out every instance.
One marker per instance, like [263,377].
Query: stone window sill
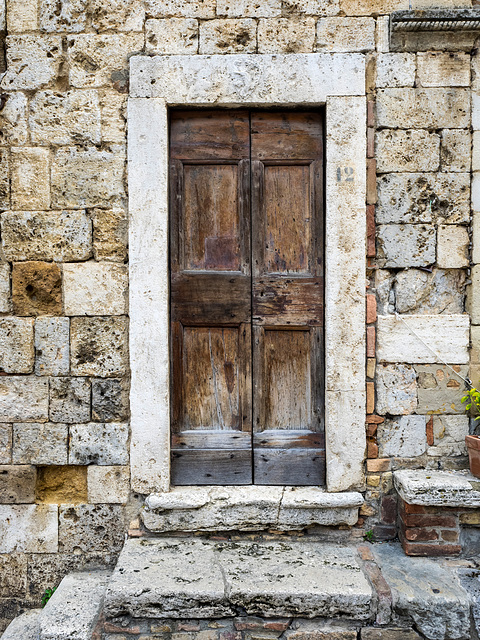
[438,488]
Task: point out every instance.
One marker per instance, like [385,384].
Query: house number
[345,174]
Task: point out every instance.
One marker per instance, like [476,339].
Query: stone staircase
[197,588]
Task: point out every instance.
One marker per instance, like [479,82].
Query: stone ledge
[438,488]
[249,508]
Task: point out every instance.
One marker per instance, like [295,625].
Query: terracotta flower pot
[473,446]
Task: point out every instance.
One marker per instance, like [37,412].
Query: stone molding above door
[307,80]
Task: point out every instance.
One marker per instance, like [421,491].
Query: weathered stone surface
[367,7]
[25,626]
[171,35]
[402,437]
[439,389]
[456,150]
[96,59]
[394,633]
[447,337]
[23,399]
[33,61]
[184,8]
[243,8]
[69,400]
[439,291]
[322,633]
[17,484]
[62,485]
[407,151]
[425,594]
[395,70]
[286,35]
[85,527]
[423,108]
[52,346]
[28,528]
[64,15]
[4,178]
[36,289]
[22,16]
[117,15]
[417,197]
[30,188]
[108,484]
[88,178]
[99,346]
[473,300]
[99,443]
[113,115]
[228,35]
[13,119]
[109,399]
[40,443]
[449,436]
[437,69]
[345,34]
[452,247]
[72,117]
[46,235]
[110,234]
[5,304]
[405,245]
[95,289]
[438,488]
[16,345]
[5,443]
[396,389]
[314,579]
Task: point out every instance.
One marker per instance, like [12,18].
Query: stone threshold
[248,508]
[438,488]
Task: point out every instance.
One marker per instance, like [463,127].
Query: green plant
[368,536]
[472,398]
[47,594]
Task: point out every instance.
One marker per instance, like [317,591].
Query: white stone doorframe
[307,80]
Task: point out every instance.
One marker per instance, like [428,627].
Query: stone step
[24,627]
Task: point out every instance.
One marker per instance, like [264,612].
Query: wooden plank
[288,301]
[288,439]
[286,135]
[211,466]
[207,439]
[289,466]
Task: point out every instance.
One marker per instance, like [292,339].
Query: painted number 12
[345,174]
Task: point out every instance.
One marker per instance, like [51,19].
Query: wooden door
[246,188]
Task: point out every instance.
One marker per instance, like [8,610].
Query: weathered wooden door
[247,297]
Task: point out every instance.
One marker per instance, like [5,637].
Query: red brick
[371,308]
[430,550]
[373,419]
[370,397]
[365,552]
[411,508]
[370,342]
[389,509]
[449,535]
[376,466]
[429,430]
[384,531]
[371,231]
[113,628]
[370,142]
[370,113]
[277,625]
[420,534]
[188,626]
[372,450]
[429,520]
[371,181]
[371,430]
[383,591]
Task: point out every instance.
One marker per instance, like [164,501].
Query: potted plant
[472,398]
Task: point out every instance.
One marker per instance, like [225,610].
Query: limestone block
[423,108]
[439,389]
[474,295]
[422,292]
[475,342]
[310,7]
[423,197]
[4,178]
[65,15]
[475,111]
[86,528]
[393,633]
[29,528]
[23,399]
[99,346]
[117,15]
[16,345]
[407,151]
[396,386]
[436,69]
[13,119]
[13,569]
[52,346]
[30,178]
[113,119]
[65,118]
[476,191]
[108,484]
[109,399]
[36,289]
[99,443]
[33,61]
[110,234]
[405,245]
[447,337]
[62,484]
[452,247]
[95,289]
[369,7]
[345,34]
[438,488]
[5,305]
[63,236]
[69,400]
[402,437]
[246,9]
[382,35]
[475,237]
[286,35]
[449,436]
[395,70]
[88,178]
[228,36]
[456,150]
[22,16]
[171,35]
[183,8]
[476,151]
[94,59]
[5,443]
[40,443]
[18,484]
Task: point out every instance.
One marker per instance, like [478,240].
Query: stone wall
[65,501]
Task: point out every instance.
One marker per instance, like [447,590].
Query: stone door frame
[336,81]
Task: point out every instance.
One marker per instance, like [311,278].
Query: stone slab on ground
[207,579]
[25,627]
[438,488]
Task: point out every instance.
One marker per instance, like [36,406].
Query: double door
[246,275]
